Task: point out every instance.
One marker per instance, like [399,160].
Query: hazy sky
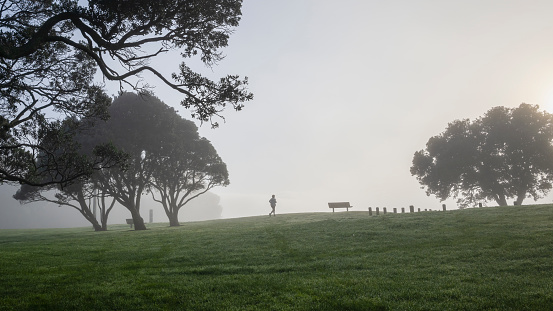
[347,91]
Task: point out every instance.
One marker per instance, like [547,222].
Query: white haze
[49,215]
[347,91]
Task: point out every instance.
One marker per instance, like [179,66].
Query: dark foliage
[166,154]
[50,52]
[507,153]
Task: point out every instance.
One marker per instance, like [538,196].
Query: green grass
[478,259]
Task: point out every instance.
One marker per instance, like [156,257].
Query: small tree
[187,167]
[505,154]
[61,143]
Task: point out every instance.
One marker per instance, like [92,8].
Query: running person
[273,202]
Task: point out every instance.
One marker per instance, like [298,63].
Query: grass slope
[478,259]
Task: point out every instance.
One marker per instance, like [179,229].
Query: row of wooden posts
[411,210]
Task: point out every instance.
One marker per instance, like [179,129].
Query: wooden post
[411,208]
[395,210]
[403,210]
[377,211]
[151,215]
[370,211]
[384,209]
[479,204]
[443,207]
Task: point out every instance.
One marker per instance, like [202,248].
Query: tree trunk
[104,211]
[138,221]
[104,220]
[135,211]
[501,200]
[519,199]
[171,211]
[93,221]
[97,227]
[521,195]
[87,213]
[173,219]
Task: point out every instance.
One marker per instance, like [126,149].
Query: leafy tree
[507,153]
[135,126]
[50,52]
[166,153]
[80,192]
[184,167]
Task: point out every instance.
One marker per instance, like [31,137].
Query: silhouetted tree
[166,153]
[184,167]
[80,191]
[50,52]
[135,126]
[507,153]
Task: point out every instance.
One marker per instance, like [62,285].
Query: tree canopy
[507,153]
[186,167]
[51,50]
[166,153]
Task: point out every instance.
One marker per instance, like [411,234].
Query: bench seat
[334,205]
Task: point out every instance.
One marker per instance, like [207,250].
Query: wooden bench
[130,222]
[334,205]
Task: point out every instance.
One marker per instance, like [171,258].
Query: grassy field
[477,259]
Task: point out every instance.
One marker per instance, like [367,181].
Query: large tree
[136,126]
[166,154]
[507,153]
[50,52]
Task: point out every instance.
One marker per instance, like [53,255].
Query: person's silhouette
[273,202]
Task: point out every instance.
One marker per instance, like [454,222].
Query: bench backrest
[338,204]
[129,221]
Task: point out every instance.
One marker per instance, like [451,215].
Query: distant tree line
[505,154]
[165,157]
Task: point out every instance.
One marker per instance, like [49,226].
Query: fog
[14,215]
[346,92]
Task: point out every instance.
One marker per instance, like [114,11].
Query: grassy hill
[477,259]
